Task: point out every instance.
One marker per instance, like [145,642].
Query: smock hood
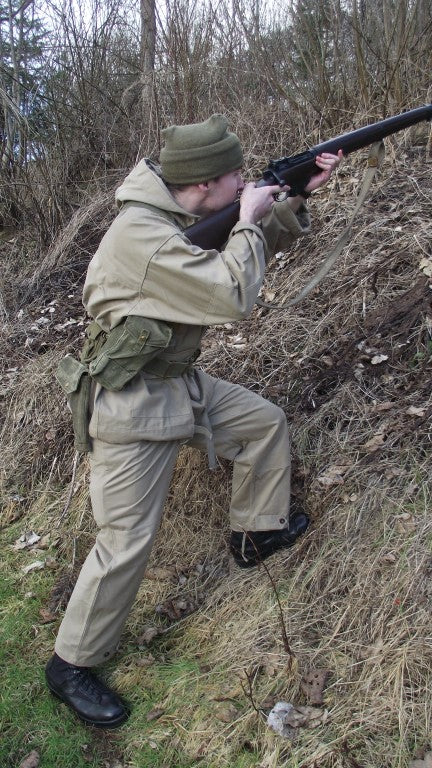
[145,185]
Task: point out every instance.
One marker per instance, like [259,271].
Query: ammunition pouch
[73,378]
[113,360]
[126,350]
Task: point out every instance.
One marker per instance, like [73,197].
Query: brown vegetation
[351,366]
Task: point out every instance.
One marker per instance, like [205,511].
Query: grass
[355,591]
[30,718]
[344,608]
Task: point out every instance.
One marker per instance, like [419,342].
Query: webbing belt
[376,155]
[166,369]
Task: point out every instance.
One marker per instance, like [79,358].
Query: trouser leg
[253,433]
[128,487]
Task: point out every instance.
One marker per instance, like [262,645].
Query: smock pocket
[127,349]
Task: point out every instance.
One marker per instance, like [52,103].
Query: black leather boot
[250,548]
[83,692]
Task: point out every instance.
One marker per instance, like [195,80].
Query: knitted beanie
[200,151]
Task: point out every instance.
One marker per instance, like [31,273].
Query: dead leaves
[425,762]
[425,266]
[176,608]
[27,540]
[33,542]
[37,565]
[375,442]
[149,634]
[225,711]
[160,573]
[31,761]
[370,354]
[154,714]
[286,719]
[377,359]
[313,684]
[413,410]
[405,524]
[334,475]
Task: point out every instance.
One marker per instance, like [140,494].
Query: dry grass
[355,593]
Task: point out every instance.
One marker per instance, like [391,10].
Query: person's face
[223,191]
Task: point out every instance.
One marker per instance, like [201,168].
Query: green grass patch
[30,717]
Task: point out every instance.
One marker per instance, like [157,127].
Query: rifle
[297,170]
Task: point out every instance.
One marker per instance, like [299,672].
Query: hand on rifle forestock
[328,163]
[299,175]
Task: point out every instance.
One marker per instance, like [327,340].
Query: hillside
[209,650]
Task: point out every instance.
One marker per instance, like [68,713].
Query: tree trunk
[148,50]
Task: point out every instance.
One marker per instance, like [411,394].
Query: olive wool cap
[200,151]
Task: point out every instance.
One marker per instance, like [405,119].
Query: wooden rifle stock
[296,171]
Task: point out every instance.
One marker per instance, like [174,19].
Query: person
[148,288]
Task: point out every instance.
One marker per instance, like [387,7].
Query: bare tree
[148,52]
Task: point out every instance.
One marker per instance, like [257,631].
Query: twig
[285,640]
[249,693]
[71,490]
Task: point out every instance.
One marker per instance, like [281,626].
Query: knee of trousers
[275,421]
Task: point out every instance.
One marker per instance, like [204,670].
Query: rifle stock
[296,171]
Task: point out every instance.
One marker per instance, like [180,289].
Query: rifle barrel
[213,231]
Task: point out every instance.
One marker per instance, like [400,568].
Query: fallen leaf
[390,558]
[426,266]
[376,442]
[334,474]
[47,616]
[36,566]
[271,664]
[176,609]
[286,719]
[156,574]
[373,652]
[377,359]
[387,405]
[405,523]
[276,719]
[27,540]
[425,763]
[148,635]
[226,712]
[313,684]
[413,411]
[154,714]
[31,761]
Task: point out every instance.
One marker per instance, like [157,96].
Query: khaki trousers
[128,487]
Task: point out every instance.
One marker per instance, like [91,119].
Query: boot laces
[89,684]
